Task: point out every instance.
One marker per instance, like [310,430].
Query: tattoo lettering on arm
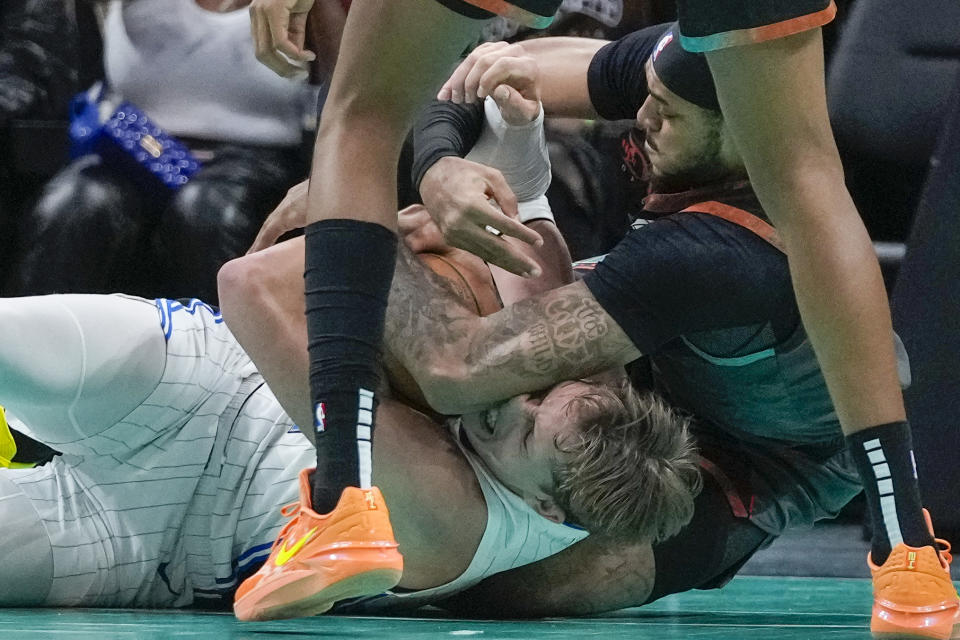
[578,326]
[558,335]
[463,362]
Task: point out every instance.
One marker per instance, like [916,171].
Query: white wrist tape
[519,152]
[536,209]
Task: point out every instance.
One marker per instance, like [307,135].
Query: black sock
[349,268]
[884,457]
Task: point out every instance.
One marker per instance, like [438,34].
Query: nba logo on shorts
[320,417]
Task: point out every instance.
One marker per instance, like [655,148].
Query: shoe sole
[916,626]
[301,594]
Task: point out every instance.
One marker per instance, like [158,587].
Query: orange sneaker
[913,596]
[319,560]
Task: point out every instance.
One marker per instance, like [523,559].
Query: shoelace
[944,548]
[287,511]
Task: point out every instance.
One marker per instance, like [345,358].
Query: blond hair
[631,472]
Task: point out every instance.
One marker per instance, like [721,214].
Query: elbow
[241,284]
[443,382]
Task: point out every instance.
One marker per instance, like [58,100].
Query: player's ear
[545,506]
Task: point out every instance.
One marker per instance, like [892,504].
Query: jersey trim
[740,217]
[740,37]
[740,361]
[526,17]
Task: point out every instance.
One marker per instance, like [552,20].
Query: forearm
[444,129]
[448,129]
[461,362]
[425,329]
[590,577]
[553,256]
[563,64]
[465,363]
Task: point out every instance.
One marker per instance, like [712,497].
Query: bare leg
[395,54]
[773,98]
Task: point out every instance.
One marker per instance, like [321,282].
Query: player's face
[519,439]
[684,142]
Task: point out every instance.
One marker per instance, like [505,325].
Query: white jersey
[177,501]
[515,536]
[170,504]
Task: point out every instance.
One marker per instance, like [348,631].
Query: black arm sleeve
[616,78]
[444,129]
[691,272]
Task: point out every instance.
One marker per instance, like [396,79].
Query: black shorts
[537,14]
[708,25]
[712,548]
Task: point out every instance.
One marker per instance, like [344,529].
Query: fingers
[482,229]
[500,191]
[519,73]
[487,214]
[278,37]
[499,251]
[422,241]
[290,214]
[515,109]
[289,32]
[419,232]
[267,236]
[458,195]
[472,80]
[461,86]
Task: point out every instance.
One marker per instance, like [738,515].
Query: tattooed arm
[592,576]
[465,363]
[460,361]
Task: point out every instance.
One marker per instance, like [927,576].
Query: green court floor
[749,608]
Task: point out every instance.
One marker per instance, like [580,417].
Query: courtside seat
[926,309]
[889,83]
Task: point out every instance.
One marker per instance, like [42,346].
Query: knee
[242,282]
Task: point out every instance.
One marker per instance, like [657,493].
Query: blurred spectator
[38,74]
[189,65]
